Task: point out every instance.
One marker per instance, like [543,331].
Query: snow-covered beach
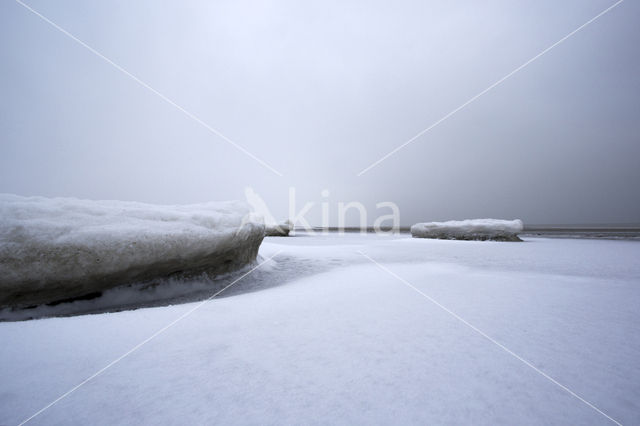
[322,334]
[319,213]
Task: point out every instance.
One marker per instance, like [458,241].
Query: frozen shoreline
[299,259]
[324,333]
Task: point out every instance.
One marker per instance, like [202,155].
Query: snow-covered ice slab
[64,248]
[278,230]
[472,229]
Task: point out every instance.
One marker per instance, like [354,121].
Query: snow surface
[471,229]
[52,249]
[324,336]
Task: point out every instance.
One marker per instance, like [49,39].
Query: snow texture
[471,229]
[326,336]
[64,248]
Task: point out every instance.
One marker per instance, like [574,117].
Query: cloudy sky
[320,90]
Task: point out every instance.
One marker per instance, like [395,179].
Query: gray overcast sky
[320,90]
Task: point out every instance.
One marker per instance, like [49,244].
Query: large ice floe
[58,249]
[471,229]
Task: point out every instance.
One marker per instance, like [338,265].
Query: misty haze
[280,212]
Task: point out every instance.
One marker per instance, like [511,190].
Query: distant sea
[604,231]
[595,231]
